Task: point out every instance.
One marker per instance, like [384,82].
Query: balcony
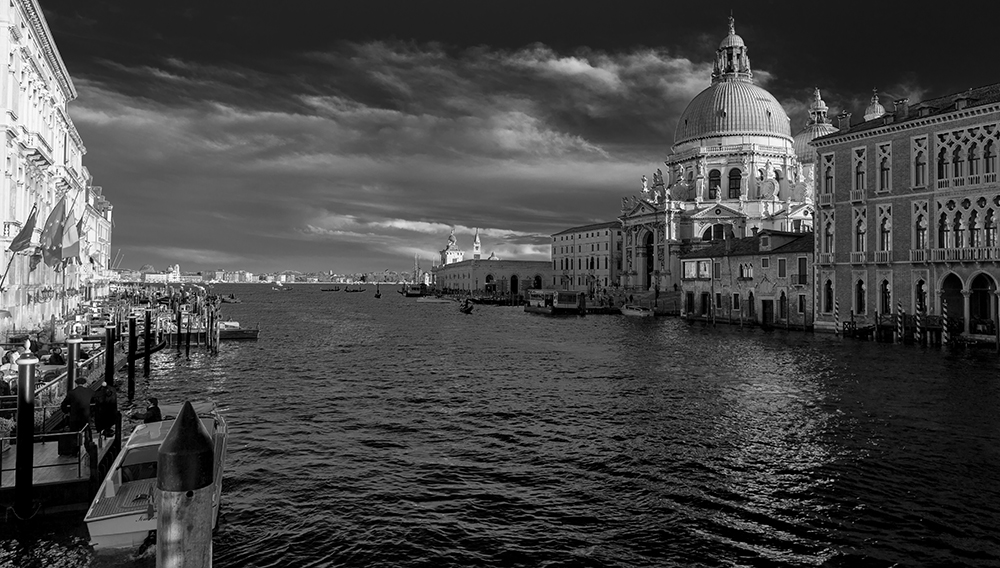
[36,149]
[11,229]
[971,254]
[859,257]
[882,256]
[857,195]
[826,258]
[918,255]
[958,182]
[825,199]
[943,183]
[65,178]
[974,180]
[990,178]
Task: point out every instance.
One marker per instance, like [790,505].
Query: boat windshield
[139,463]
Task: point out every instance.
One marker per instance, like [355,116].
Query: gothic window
[828,180]
[859,297]
[884,298]
[920,170]
[860,168]
[861,229]
[989,159]
[942,169]
[944,232]
[828,238]
[783,306]
[883,175]
[920,295]
[975,236]
[714,183]
[973,160]
[885,235]
[735,179]
[957,163]
[828,297]
[920,234]
[990,230]
[957,233]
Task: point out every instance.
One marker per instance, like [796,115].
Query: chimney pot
[844,120]
[902,109]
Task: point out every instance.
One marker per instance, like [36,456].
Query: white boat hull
[635,311]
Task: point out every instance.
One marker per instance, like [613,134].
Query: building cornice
[34,15]
[908,125]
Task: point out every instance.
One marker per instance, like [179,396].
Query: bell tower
[477,246]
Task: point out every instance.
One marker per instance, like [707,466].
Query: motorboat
[232,330]
[635,310]
[123,513]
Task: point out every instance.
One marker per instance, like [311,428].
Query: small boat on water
[635,310]
[231,299]
[378,293]
[231,330]
[123,513]
[466,308]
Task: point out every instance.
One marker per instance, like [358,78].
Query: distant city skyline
[316,136]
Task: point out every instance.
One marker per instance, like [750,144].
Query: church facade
[489,276]
[732,170]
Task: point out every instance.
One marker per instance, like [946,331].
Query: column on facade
[966,309]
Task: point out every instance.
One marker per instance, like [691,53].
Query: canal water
[390,433]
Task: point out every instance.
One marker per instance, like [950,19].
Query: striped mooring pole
[836,317]
[918,335]
[945,335]
[899,322]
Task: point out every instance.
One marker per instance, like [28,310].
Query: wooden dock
[59,483]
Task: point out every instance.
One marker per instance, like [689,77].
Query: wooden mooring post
[132,339]
[147,340]
[109,355]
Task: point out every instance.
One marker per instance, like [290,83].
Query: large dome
[806,153]
[732,108]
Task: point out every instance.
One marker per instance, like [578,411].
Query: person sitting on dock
[56,358]
[152,413]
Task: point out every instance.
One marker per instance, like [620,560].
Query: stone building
[732,169]
[43,162]
[587,258]
[761,279]
[908,210]
[489,276]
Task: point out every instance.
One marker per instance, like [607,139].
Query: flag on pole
[52,234]
[71,237]
[23,239]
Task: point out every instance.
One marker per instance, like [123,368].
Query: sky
[352,136]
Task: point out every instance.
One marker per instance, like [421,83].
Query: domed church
[733,170]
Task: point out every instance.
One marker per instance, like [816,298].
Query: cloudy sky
[349,136]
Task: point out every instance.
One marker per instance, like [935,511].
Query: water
[387,433]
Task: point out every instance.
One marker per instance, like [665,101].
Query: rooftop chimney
[902,109]
[844,120]
[961,101]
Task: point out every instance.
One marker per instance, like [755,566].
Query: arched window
[957,163]
[942,166]
[783,306]
[714,183]
[958,232]
[989,159]
[990,230]
[920,170]
[885,235]
[975,237]
[828,180]
[884,298]
[883,174]
[760,174]
[920,296]
[735,180]
[828,297]
[860,300]
[828,238]
[920,233]
[944,232]
[973,160]
[860,231]
[859,176]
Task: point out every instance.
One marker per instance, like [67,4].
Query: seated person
[56,358]
[152,413]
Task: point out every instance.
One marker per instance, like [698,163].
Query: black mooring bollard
[179,326]
[185,475]
[23,495]
[72,356]
[147,340]
[109,356]
[187,348]
[132,339]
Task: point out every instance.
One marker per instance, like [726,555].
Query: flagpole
[4,278]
